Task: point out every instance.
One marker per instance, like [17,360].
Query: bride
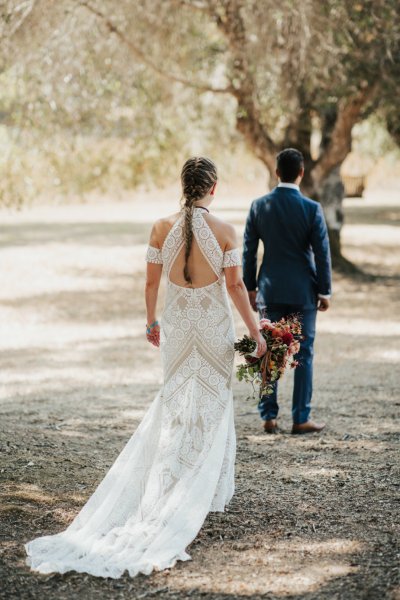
[179,464]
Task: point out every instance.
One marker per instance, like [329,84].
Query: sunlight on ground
[279,571]
[46,280]
[78,376]
[365,327]
[29,493]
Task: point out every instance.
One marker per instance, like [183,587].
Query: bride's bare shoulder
[224,232]
[166,222]
[218,223]
[160,229]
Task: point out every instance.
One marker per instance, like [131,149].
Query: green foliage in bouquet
[283,343]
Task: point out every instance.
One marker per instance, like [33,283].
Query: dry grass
[313,517]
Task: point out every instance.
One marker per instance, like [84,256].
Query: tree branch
[140,55]
[339,145]
[248,119]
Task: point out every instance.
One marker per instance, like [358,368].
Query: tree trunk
[322,176]
[330,193]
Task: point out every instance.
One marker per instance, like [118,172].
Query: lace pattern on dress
[153,255]
[207,242]
[179,464]
[172,244]
[232,258]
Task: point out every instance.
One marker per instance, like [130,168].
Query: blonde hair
[198,176]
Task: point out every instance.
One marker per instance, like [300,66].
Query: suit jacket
[296,265]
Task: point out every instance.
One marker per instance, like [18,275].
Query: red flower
[251,359]
[287,338]
[276,333]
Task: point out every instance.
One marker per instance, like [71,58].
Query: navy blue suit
[295,268]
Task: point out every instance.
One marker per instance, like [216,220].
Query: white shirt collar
[292,186]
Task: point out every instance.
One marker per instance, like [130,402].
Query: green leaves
[74,87]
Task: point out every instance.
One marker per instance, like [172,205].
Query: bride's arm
[153,278]
[240,298]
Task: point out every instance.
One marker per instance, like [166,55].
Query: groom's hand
[252,298]
[323,304]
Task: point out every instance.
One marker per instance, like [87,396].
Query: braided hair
[198,176]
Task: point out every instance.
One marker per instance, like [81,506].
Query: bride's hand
[261,344]
[154,335]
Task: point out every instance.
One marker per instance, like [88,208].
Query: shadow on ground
[312,518]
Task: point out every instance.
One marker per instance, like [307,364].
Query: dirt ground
[313,517]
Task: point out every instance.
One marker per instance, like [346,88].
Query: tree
[301,74]
[79,114]
[295,68]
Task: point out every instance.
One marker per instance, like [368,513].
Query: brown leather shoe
[271,426]
[308,427]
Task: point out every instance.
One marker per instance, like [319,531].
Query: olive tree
[298,71]
[298,74]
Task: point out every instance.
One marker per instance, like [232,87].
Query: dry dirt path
[313,517]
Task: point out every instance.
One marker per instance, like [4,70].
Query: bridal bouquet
[283,342]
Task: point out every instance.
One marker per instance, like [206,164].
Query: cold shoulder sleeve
[232,258]
[153,255]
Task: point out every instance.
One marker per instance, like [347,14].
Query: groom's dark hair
[289,163]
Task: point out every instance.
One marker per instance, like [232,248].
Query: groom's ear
[278,174]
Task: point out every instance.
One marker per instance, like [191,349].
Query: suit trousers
[303,375]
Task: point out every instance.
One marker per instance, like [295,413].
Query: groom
[294,277]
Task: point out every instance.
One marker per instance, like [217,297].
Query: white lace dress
[179,464]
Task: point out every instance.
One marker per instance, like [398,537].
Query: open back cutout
[200,270]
